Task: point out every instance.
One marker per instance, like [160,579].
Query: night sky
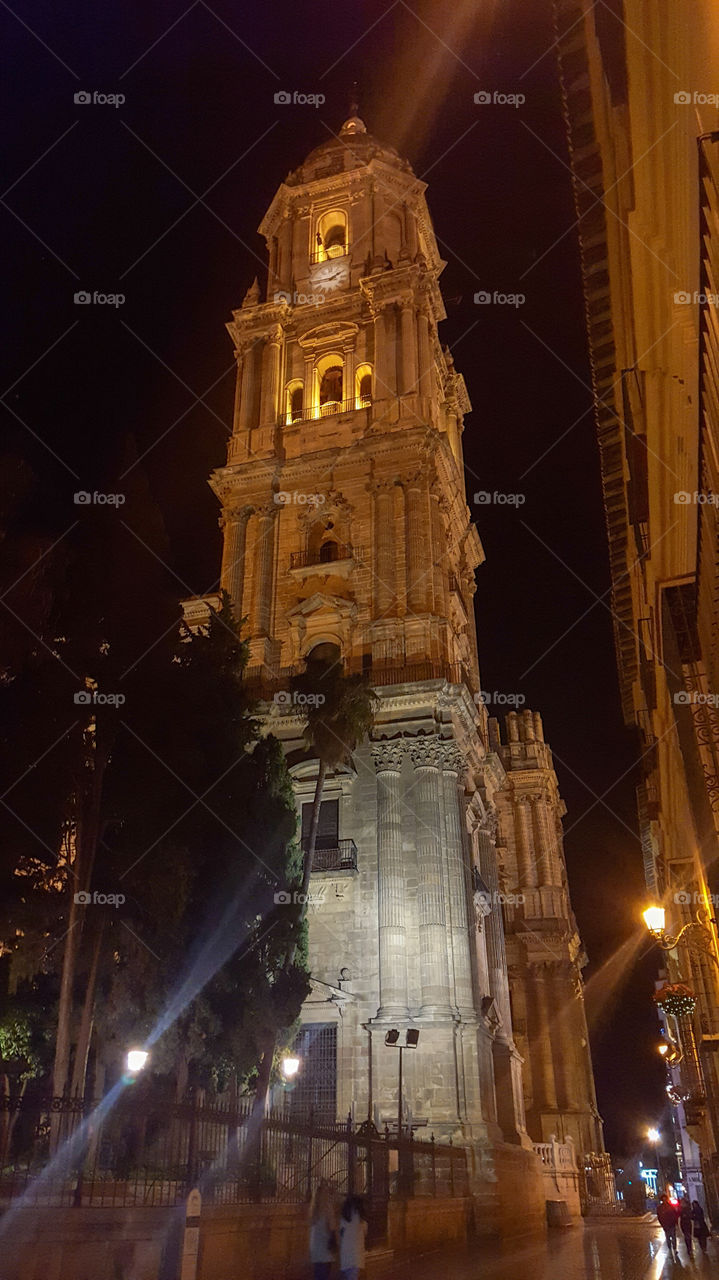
[159,199]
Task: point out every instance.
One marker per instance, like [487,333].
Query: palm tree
[340,714]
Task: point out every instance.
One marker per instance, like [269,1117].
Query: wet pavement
[610,1249]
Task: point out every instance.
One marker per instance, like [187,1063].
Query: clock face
[330,275]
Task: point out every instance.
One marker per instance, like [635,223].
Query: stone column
[348,377]
[408,349]
[541,1049]
[233,523]
[384,542]
[453,769]
[284,256]
[417,532]
[494,924]
[424,352]
[385,354]
[526,863]
[392,888]
[567,1040]
[308,403]
[440,567]
[269,410]
[249,384]
[433,964]
[264,565]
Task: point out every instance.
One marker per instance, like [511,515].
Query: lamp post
[410,1042]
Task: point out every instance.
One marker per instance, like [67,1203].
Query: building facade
[439,895]
[640,90]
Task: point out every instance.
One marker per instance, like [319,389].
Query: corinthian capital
[426,753]
[453,760]
[388,756]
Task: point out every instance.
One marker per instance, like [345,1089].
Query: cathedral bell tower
[347,535]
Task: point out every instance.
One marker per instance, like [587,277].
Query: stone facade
[346,525]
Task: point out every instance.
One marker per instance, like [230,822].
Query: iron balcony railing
[321,255]
[341,855]
[341,551]
[327,410]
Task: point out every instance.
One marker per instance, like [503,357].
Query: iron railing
[339,856]
[64,1151]
[321,255]
[340,551]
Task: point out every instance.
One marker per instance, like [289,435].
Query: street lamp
[136,1059]
[654,1136]
[411,1039]
[289,1067]
[655,920]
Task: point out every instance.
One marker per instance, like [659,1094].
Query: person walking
[323,1231]
[668,1215]
[701,1228]
[353,1231]
[686,1223]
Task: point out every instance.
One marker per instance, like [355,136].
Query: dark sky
[159,199]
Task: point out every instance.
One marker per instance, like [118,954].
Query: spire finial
[354,99]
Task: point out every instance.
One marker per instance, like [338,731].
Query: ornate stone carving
[426,753]
[388,756]
[453,760]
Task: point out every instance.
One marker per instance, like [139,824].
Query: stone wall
[92,1244]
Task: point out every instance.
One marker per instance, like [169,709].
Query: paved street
[617,1250]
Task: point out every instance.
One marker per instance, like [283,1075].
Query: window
[315,1092]
[331,386]
[329,551]
[363,386]
[328,831]
[295,401]
[331,236]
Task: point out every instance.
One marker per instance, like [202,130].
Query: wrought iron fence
[63,1151]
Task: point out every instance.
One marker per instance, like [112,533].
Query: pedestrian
[701,1228]
[686,1224]
[668,1215]
[323,1231]
[353,1230]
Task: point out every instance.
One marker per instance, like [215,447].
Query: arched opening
[295,401]
[363,386]
[330,383]
[329,551]
[331,235]
[324,655]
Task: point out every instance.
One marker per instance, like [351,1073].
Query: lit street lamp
[654,1136]
[655,920]
[136,1060]
[289,1067]
[410,1042]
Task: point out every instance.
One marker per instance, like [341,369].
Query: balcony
[334,253]
[327,410]
[341,855]
[326,556]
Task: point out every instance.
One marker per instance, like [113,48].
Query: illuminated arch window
[330,383]
[331,235]
[295,401]
[363,386]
